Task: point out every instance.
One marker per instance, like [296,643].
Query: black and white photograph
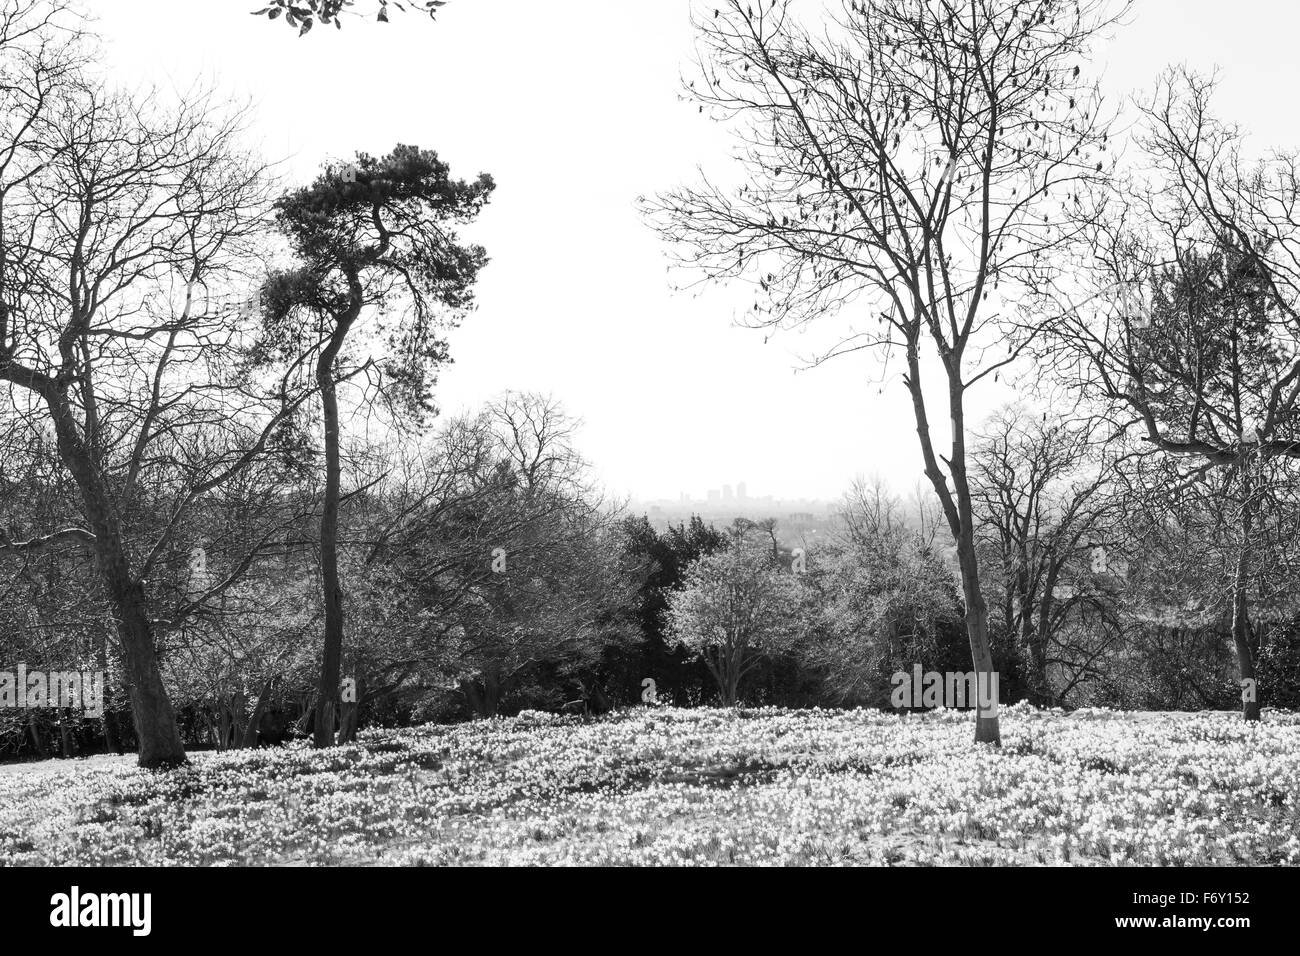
[650,435]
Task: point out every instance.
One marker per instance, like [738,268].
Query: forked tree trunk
[960,514]
[726,674]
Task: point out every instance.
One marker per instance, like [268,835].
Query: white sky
[573,107]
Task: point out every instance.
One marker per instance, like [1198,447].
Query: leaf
[306,25]
[273,14]
[383,16]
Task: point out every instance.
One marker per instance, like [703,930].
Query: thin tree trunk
[223,723]
[977,614]
[977,631]
[959,512]
[719,671]
[1241,616]
[66,743]
[1042,633]
[1040,691]
[1033,638]
[331,655]
[238,705]
[107,720]
[332,651]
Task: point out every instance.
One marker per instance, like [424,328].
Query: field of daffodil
[695,787]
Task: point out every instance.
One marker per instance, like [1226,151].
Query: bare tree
[507,553]
[1189,334]
[120,219]
[909,164]
[1046,501]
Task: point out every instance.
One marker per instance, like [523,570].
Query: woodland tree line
[225,482]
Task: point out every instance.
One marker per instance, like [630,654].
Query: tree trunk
[483,694]
[351,716]
[720,668]
[111,740]
[332,652]
[155,721]
[960,514]
[1042,633]
[263,701]
[66,743]
[212,727]
[1241,617]
[732,671]
[223,723]
[977,630]
[107,720]
[977,615]
[599,699]
[1033,638]
[1040,693]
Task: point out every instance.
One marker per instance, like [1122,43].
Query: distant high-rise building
[726,493]
[741,491]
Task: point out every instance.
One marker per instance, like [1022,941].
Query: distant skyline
[740,494]
[576,301]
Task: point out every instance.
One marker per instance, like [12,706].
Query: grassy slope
[694,787]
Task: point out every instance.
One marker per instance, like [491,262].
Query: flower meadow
[662,786]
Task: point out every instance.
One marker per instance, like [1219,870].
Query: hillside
[693,787]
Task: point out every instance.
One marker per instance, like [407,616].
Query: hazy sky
[573,106]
